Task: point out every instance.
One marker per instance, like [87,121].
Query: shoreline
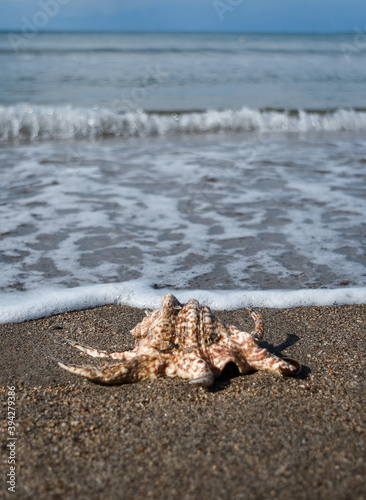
[252,436]
[49,301]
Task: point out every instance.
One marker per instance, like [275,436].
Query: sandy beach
[248,437]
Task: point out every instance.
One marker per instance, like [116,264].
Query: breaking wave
[41,122]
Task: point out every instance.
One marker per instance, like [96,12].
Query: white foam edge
[33,304]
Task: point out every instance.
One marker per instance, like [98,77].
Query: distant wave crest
[41,122]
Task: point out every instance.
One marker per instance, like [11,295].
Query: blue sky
[185,15]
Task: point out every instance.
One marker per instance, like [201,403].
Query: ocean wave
[40,122]
[38,51]
[166,50]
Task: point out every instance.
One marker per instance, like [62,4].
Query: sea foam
[40,122]
[34,304]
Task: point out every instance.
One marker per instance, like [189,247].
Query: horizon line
[188,32]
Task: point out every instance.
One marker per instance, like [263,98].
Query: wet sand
[256,436]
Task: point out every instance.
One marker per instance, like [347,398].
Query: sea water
[226,167]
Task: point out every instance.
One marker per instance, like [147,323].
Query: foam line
[39,122]
[22,306]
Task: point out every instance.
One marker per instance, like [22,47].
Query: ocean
[228,167]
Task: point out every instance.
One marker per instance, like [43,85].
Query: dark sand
[257,436]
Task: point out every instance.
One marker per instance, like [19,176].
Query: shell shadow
[290,340]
